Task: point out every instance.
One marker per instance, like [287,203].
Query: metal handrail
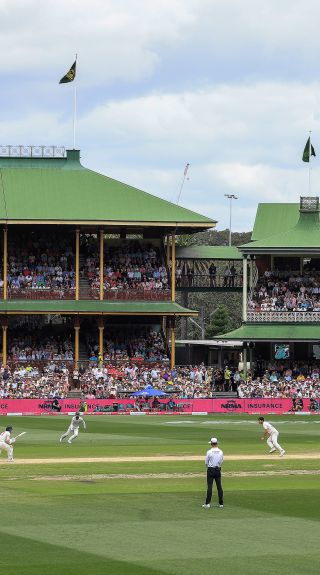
[209,281]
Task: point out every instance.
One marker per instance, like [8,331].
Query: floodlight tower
[230,198]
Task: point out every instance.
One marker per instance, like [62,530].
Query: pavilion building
[281,284]
[45,192]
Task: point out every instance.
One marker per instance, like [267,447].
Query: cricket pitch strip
[165,458]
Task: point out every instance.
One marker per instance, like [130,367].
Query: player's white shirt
[75,423]
[5,437]
[269,428]
[214,457]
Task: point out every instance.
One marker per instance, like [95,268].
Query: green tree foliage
[206,304]
[220,322]
[214,238]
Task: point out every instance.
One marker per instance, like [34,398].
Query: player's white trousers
[272,441]
[73,430]
[7,448]
[74,435]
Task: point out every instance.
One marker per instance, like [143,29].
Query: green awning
[95,307]
[208,253]
[274,332]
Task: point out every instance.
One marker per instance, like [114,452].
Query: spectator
[212,274]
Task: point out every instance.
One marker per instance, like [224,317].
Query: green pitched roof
[208,253]
[272,219]
[303,237]
[94,307]
[62,190]
[274,332]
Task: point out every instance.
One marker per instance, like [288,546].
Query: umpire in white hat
[214,460]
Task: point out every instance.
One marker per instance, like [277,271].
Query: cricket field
[125,498]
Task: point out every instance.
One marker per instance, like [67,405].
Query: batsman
[6,442]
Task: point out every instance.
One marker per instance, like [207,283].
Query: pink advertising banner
[270,405]
[265,405]
[114,406]
[40,406]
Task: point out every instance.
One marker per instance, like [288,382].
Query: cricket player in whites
[272,434]
[6,442]
[74,428]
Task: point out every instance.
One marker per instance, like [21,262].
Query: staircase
[83,353]
[83,358]
[74,394]
[84,284]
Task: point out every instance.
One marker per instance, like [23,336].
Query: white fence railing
[32,151]
[254,280]
[284,316]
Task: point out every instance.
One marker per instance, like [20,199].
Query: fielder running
[272,434]
[74,428]
[6,442]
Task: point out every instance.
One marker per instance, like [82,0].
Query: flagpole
[310,162]
[74,115]
[74,111]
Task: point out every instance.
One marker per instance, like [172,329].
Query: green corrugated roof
[272,219]
[305,234]
[63,190]
[274,332]
[101,307]
[209,253]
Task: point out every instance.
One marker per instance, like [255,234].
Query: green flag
[308,151]
[70,76]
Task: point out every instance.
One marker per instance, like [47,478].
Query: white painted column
[245,289]
[251,273]
[244,359]
[251,358]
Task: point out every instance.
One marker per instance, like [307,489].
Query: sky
[232,88]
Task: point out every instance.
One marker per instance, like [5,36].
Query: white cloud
[115,39]
[245,140]
[252,122]
[228,87]
[127,40]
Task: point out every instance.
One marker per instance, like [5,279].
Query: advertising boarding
[164,406]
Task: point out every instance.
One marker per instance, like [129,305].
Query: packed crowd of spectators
[31,341]
[141,346]
[278,381]
[28,382]
[103,381]
[37,347]
[109,382]
[40,262]
[129,265]
[285,291]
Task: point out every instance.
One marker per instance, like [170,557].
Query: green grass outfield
[146,517]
